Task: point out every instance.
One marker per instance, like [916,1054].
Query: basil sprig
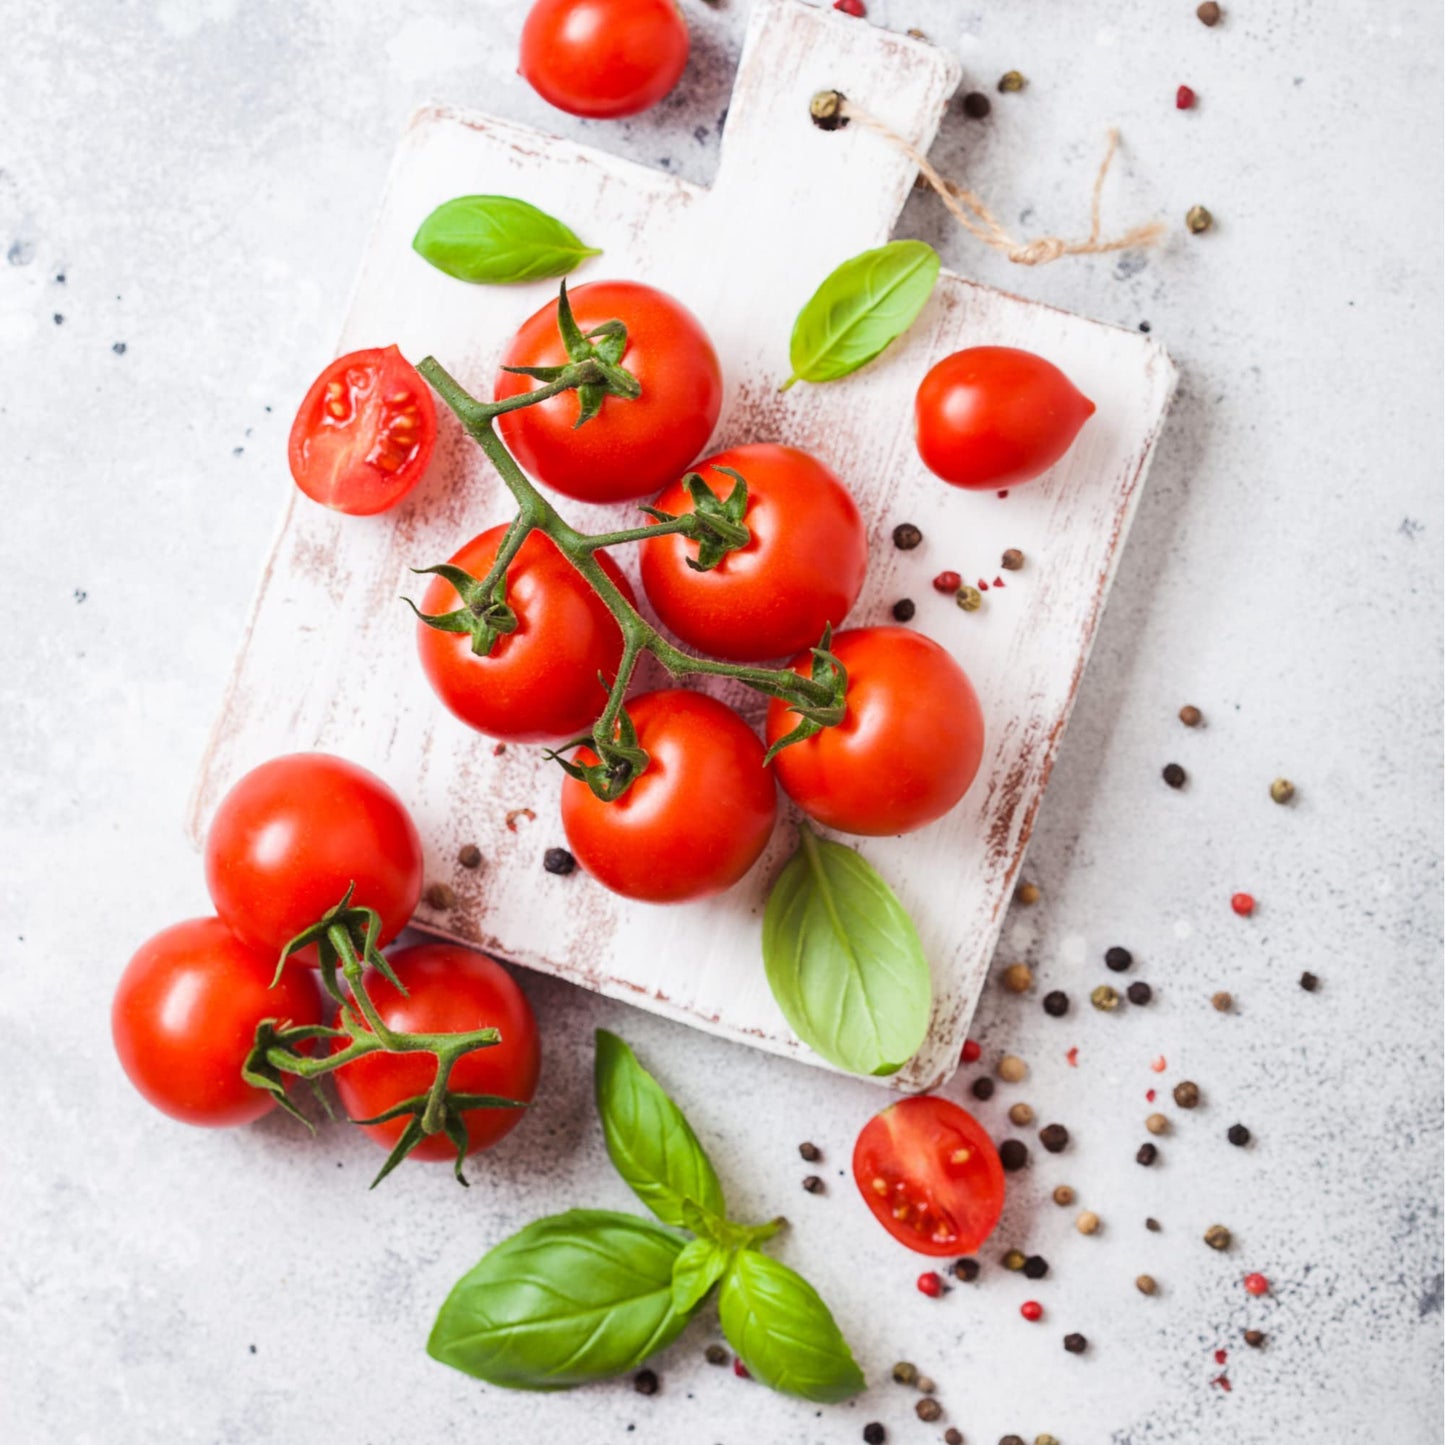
[498,240]
[844,960]
[591,1293]
[868,302]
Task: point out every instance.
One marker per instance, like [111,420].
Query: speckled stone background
[184,190]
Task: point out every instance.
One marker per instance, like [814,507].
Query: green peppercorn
[968,598]
[1281,790]
[1198,220]
[1218,1237]
[905,1372]
[715,1355]
[1048,1439]
[1014,1260]
[1104,998]
[1011,82]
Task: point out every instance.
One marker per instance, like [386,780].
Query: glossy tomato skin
[293,833]
[698,817]
[184,1018]
[994,416]
[802,570]
[364,434]
[631,448]
[908,748]
[539,683]
[931,1175]
[603,58]
[449,990]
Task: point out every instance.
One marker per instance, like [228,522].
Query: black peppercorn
[874,1433]
[904,609]
[1011,1440]
[1152,1225]
[810,1152]
[470,856]
[1147,1155]
[966,1269]
[1035,1267]
[1013,1154]
[715,1355]
[813,1184]
[982,1088]
[1238,1135]
[1209,12]
[976,105]
[1056,1003]
[1139,992]
[645,1382]
[1118,959]
[1054,1138]
[1174,775]
[1186,1094]
[1254,1338]
[906,536]
[1012,560]
[558,861]
[1308,982]
[1075,1344]
[952,1436]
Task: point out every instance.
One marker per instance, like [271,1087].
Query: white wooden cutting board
[789,203]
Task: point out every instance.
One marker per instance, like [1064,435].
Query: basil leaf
[571,1298]
[844,961]
[498,239]
[651,1144]
[783,1332]
[868,302]
[698,1268]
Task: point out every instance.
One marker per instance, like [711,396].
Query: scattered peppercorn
[1012,560]
[1209,12]
[1223,1001]
[1054,1138]
[810,1152]
[558,861]
[966,1269]
[1281,790]
[1190,715]
[1118,959]
[947,582]
[874,1433]
[1308,981]
[1157,1124]
[741,1370]
[1186,1094]
[1242,903]
[440,896]
[1011,1440]
[928,1410]
[470,856]
[1027,894]
[968,598]
[926,1386]
[982,1089]
[1011,82]
[1031,1310]
[904,609]
[1104,998]
[1184,98]
[1256,1284]
[1012,1069]
[1087,1222]
[851,7]
[1018,978]
[645,1382]
[1056,1003]
[1254,1338]
[1198,220]
[1174,775]
[1014,1260]
[1217,1237]
[715,1355]
[1147,1154]
[1063,1195]
[1035,1267]
[1152,1225]
[905,1372]
[1075,1344]
[1022,1115]
[1146,1284]
[906,536]
[972,1051]
[1046,1440]
[1238,1135]
[813,1184]
[976,105]
[952,1436]
[1139,993]
[930,1282]
[1013,1154]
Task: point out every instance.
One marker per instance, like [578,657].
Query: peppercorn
[928,1410]
[1018,978]
[1139,992]
[470,856]
[715,1355]
[1308,981]
[1146,1284]
[1281,790]
[1054,1138]
[1256,1284]
[1087,1222]
[1198,220]
[1032,1311]
[982,1088]
[1157,1124]
[1013,1154]
[874,1433]
[1186,1094]
[926,1386]
[1063,1195]
[952,1436]
[1223,1001]
[1254,1338]
[1184,98]
[1011,1440]
[1056,1003]
[972,1051]
[813,1184]
[1075,1344]
[1209,12]
[558,861]
[1152,1225]
[968,598]
[1117,959]
[947,582]
[1014,1260]
[1217,1237]
[1012,560]
[1174,775]
[1147,1154]
[1104,998]
[440,896]
[1046,1440]
[966,1269]
[1011,82]
[906,536]
[904,609]
[1242,903]
[905,1372]
[1012,1069]
[645,1382]
[810,1152]
[930,1282]
[1027,894]
[1022,1115]
[1190,715]
[1238,1135]
[1035,1267]
[976,105]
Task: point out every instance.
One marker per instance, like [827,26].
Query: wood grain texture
[788,204]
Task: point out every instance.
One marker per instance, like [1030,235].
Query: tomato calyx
[347,938]
[484,614]
[829,676]
[715,524]
[620,759]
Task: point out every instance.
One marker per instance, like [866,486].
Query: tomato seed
[930,1283]
[336,409]
[1184,98]
[1031,1310]
[1256,1284]
[880,1186]
[947,582]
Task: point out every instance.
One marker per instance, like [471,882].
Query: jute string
[975,217]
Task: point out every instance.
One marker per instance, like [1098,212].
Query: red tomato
[802,570]
[930,1174]
[630,448]
[185,1015]
[697,818]
[293,833]
[908,748]
[449,990]
[364,434]
[603,58]
[539,683]
[993,416]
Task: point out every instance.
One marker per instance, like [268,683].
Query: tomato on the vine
[185,1015]
[930,1174]
[448,990]
[632,447]
[540,682]
[908,747]
[294,833]
[603,58]
[698,817]
[364,434]
[801,571]
[994,416]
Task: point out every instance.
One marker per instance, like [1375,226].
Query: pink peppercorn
[1031,1310]
[972,1051]
[1184,98]
[1256,1284]
[947,582]
[740,1369]
[851,7]
[1243,904]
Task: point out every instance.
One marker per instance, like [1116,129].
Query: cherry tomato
[697,818]
[539,683]
[630,448]
[292,834]
[930,1174]
[994,416]
[603,58]
[802,570]
[185,1016]
[907,749]
[364,434]
[449,990]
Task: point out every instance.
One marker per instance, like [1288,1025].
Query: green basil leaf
[868,302]
[698,1268]
[844,961]
[571,1298]
[783,1332]
[498,239]
[650,1142]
